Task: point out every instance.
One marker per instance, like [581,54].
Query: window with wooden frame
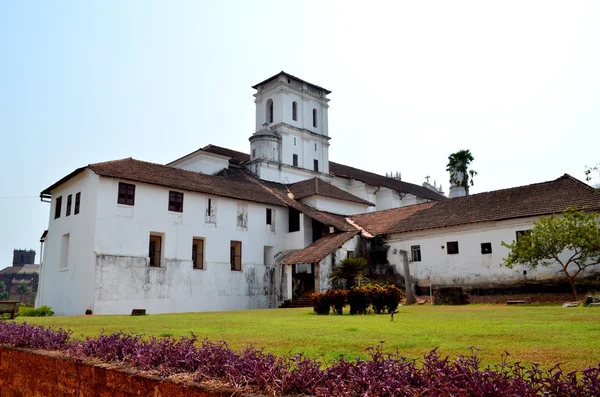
[198,253]
[452,247]
[57,208]
[77,203]
[415,253]
[236,255]
[126,194]
[155,250]
[69,204]
[486,248]
[175,201]
[316,165]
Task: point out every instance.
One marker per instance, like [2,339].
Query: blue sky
[516,82]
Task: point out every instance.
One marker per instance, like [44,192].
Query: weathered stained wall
[469,268]
[26,372]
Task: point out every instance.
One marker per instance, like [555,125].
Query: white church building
[219,229]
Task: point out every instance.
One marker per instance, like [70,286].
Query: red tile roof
[320,248]
[519,202]
[317,186]
[177,178]
[373,179]
[344,171]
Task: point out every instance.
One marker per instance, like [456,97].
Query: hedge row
[381,375]
[380,297]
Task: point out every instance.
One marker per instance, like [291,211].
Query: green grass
[542,334]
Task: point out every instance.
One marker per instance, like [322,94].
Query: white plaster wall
[204,162]
[124,280]
[469,267]
[70,290]
[335,206]
[267,149]
[275,172]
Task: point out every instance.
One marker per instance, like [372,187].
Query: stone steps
[302,301]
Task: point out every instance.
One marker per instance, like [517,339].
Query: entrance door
[303,279]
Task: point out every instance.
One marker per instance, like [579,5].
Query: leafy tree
[571,240]
[22,289]
[458,166]
[350,270]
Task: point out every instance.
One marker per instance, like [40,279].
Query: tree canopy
[458,166]
[572,240]
[350,269]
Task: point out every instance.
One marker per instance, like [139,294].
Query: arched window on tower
[315,118]
[294,111]
[270,111]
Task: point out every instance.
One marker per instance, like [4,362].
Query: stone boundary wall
[26,372]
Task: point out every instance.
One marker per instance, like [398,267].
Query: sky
[515,82]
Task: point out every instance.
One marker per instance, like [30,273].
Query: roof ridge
[565,176]
[396,208]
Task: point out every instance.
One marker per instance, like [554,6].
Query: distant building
[24,271]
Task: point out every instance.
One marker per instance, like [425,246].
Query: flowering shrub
[337,299]
[320,301]
[359,299]
[381,375]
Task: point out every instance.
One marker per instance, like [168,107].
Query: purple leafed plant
[381,375]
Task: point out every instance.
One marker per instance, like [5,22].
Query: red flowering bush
[337,299]
[321,303]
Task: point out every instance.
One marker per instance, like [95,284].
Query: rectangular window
[294,141]
[175,201]
[521,233]
[293,220]
[242,216]
[269,215]
[236,256]
[271,219]
[295,160]
[415,253]
[350,254]
[486,248]
[316,165]
[77,203]
[126,194]
[198,253]
[57,209]
[69,202]
[315,146]
[211,211]
[64,251]
[452,247]
[154,250]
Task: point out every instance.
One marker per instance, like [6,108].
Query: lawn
[542,334]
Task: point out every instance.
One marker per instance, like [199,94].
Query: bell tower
[294,111]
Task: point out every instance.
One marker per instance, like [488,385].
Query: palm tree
[458,166]
[4,295]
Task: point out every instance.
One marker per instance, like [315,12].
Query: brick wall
[25,372]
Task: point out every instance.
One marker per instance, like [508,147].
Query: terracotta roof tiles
[519,202]
[320,248]
[317,186]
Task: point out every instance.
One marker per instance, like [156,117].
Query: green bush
[42,311]
[337,299]
[321,303]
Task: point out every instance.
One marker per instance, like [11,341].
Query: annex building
[219,229]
